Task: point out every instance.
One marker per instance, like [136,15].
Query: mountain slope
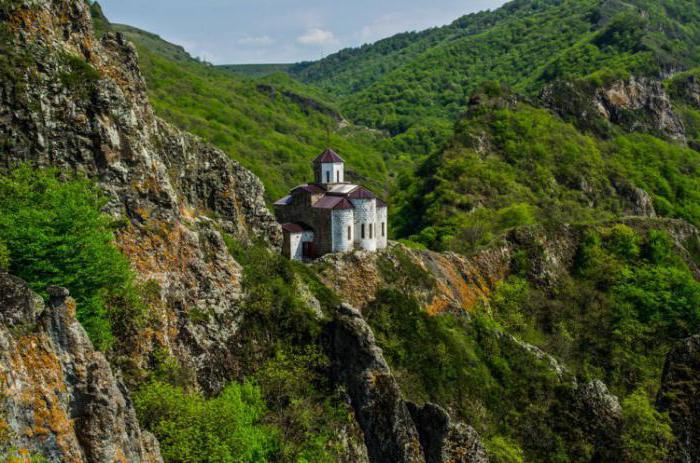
[513,164]
[399,81]
[275,129]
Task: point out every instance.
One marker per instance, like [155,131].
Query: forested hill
[274,128]
[401,80]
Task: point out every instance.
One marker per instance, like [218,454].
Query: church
[331,215]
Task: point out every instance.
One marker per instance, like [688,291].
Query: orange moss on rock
[37,383]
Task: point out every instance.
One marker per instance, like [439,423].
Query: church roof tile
[328,156]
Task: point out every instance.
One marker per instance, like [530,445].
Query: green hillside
[255,70]
[274,128]
[397,82]
[538,169]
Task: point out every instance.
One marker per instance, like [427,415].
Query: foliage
[502,450]
[628,300]
[647,433]
[4,256]
[193,429]
[539,170]
[274,130]
[282,351]
[397,82]
[57,235]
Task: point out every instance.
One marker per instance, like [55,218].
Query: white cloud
[261,41]
[317,37]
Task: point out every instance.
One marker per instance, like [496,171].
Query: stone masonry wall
[365,213]
[342,219]
[382,238]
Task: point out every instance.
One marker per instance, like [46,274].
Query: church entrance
[308,250]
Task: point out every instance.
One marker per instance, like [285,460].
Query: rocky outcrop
[449,282]
[390,434]
[60,397]
[635,104]
[395,431]
[440,282]
[680,397]
[70,101]
[444,441]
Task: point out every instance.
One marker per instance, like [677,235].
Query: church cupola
[329,168]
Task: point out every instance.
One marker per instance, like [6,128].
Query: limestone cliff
[60,397]
[70,101]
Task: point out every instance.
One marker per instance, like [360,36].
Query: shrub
[4,256]
[503,450]
[57,235]
[192,429]
[647,434]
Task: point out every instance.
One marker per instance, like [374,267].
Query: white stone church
[331,215]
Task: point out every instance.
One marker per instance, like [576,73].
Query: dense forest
[554,143]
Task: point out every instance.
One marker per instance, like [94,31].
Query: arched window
[328,176]
[337,177]
[349,233]
[383,230]
[370,231]
[362,234]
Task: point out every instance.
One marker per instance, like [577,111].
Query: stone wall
[365,213]
[342,220]
[382,227]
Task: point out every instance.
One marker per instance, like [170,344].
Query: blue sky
[281,31]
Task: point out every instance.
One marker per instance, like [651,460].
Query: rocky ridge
[637,104]
[72,102]
[60,397]
[395,431]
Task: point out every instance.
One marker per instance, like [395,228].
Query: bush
[503,450]
[57,235]
[647,434]
[193,429]
[4,256]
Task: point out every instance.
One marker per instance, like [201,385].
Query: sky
[283,31]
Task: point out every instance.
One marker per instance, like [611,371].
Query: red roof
[292,228]
[333,202]
[313,189]
[328,156]
[361,193]
[380,203]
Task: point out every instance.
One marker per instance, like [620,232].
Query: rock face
[395,432]
[680,397]
[60,397]
[390,434]
[70,101]
[439,281]
[444,441]
[636,104]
